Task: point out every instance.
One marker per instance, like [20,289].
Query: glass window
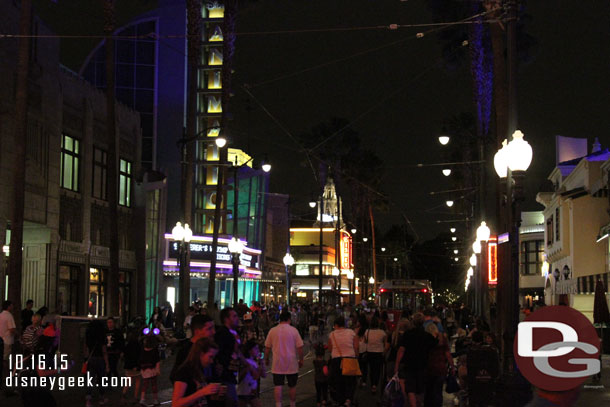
[145,52]
[67,290]
[69,163]
[557,223]
[124,75]
[100,168]
[97,285]
[532,257]
[125,183]
[549,231]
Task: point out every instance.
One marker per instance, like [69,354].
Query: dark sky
[564,90]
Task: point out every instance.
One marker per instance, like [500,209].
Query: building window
[557,223]
[100,168]
[97,289]
[67,290]
[125,183]
[549,231]
[70,152]
[531,257]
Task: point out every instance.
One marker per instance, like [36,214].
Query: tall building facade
[66,254]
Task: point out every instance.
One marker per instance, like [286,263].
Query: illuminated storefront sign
[203,251]
[346,251]
[492,261]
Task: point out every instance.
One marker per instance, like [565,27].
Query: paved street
[591,393]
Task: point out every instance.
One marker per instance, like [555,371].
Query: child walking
[321,376]
[150,363]
[249,375]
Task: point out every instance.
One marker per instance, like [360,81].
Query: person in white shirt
[375,339]
[287,346]
[342,343]
[8,330]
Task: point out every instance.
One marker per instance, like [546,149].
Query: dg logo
[557,348]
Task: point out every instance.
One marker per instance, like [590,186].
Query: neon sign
[492,261]
[346,251]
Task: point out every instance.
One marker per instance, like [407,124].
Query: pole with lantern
[182,236]
[510,163]
[483,234]
[288,262]
[236,248]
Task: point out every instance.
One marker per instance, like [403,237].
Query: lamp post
[182,235]
[236,248]
[511,162]
[352,288]
[483,234]
[288,262]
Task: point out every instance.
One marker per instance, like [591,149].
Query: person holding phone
[190,387]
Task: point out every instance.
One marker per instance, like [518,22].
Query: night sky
[564,90]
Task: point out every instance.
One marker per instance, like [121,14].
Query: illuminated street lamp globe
[266,167]
[470,272]
[365,239]
[483,232]
[456,259]
[476,247]
[288,260]
[353,230]
[453,238]
[220,141]
[312,204]
[383,249]
[236,246]
[182,233]
[501,161]
[473,260]
[519,153]
[443,140]
[371,280]
[449,203]
[452,230]
[395,258]
[446,172]
[456,251]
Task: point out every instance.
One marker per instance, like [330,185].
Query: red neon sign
[492,261]
[346,251]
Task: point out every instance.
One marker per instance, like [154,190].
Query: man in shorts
[287,346]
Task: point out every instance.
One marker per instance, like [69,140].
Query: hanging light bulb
[456,251]
[473,260]
[519,153]
[449,203]
[443,140]
[446,172]
[452,230]
[453,238]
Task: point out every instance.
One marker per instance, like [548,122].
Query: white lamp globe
[501,161]
[453,238]
[365,239]
[446,172]
[449,203]
[457,259]
[476,247]
[236,246]
[483,232]
[178,231]
[443,140]
[288,260]
[220,141]
[473,260]
[353,231]
[519,153]
[266,167]
[371,280]
[456,251]
[452,230]
[312,204]
[470,272]
[188,233]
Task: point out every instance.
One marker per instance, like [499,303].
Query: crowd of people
[221,355]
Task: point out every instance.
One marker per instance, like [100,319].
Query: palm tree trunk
[112,285]
[18,153]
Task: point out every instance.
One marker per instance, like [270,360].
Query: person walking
[412,360]
[287,347]
[342,343]
[97,359]
[115,343]
[191,387]
[375,339]
[321,376]
[229,357]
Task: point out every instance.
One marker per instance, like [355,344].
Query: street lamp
[473,260]
[312,204]
[288,262]
[476,247]
[220,141]
[452,230]
[236,248]
[453,238]
[446,172]
[266,166]
[480,279]
[511,162]
[352,288]
[443,140]
[182,235]
[456,251]
[383,249]
[353,230]
[449,203]
[483,232]
[365,239]
[371,280]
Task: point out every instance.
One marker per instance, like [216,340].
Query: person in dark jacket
[202,327]
[115,344]
[228,358]
[26,315]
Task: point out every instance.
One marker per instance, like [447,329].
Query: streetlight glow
[446,172]
[288,260]
[236,246]
[473,260]
[383,249]
[449,203]
[365,239]
[443,140]
[519,153]
[312,204]
[452,230]
[266,167]
[483,232]
[178,232]
[453,238]
[456,251]
[353,231]
[220,141]
[501,161]
[476,247]
[371,280]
